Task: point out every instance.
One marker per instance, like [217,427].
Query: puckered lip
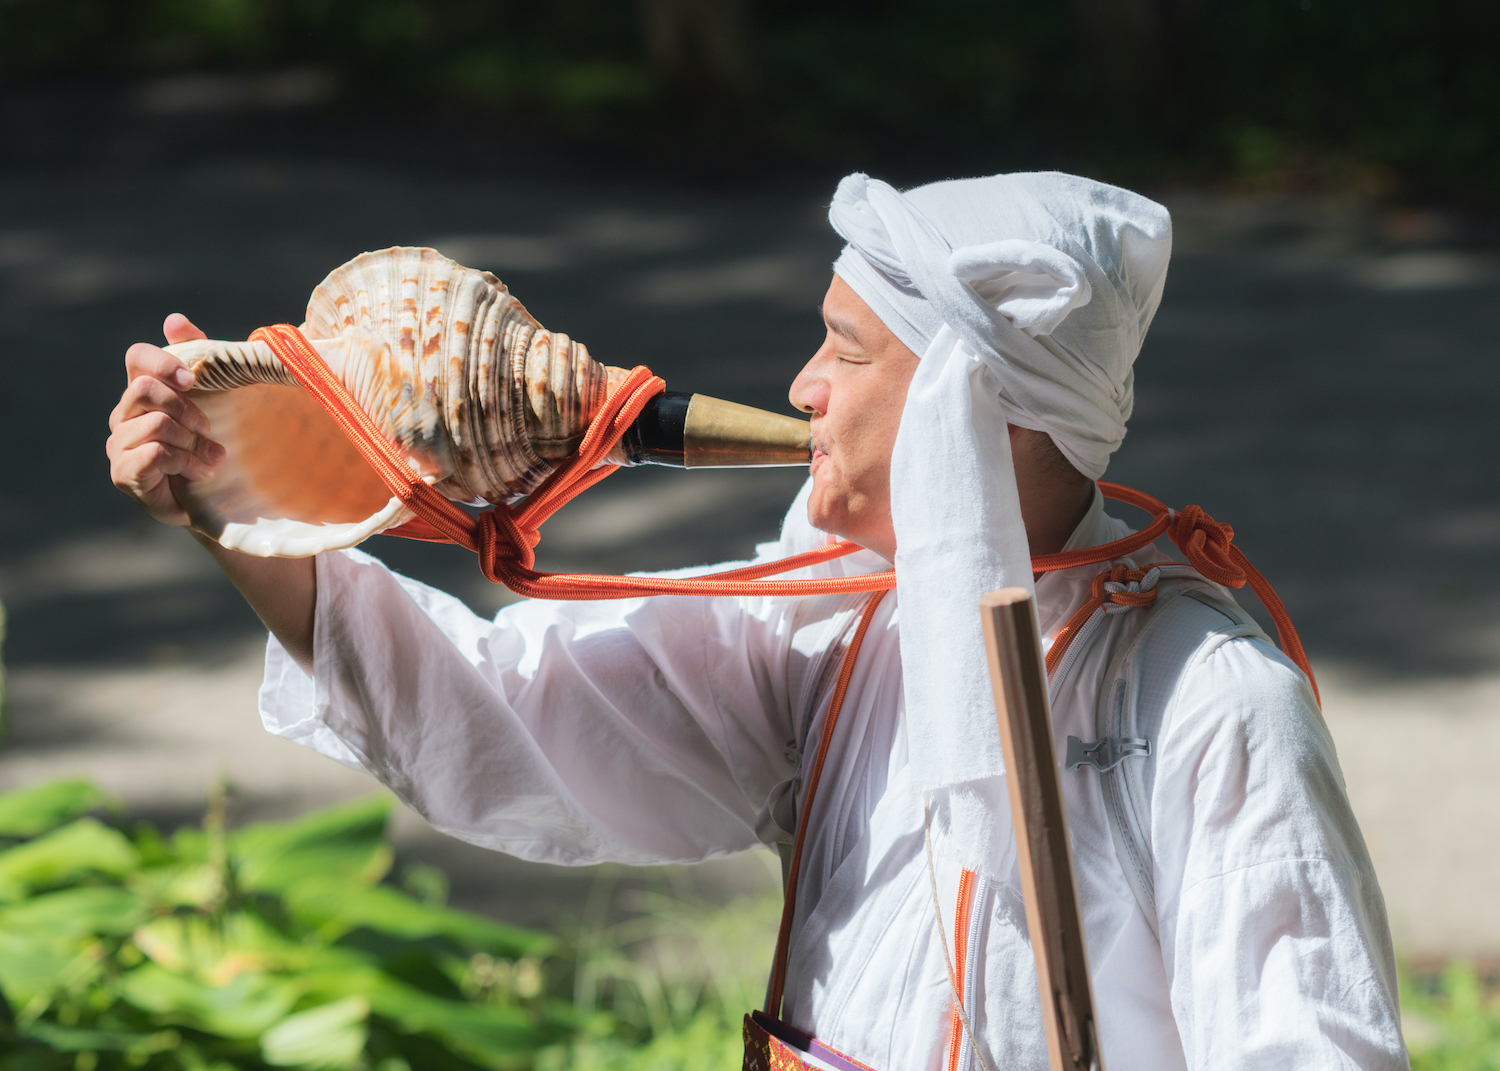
[817,452]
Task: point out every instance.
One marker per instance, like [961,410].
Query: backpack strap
[777,984]
[1189,620]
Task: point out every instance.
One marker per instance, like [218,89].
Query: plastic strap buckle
[1106,753]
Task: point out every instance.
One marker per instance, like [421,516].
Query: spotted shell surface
[477,396]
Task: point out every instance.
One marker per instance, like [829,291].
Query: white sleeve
[1273,929]
[636,731]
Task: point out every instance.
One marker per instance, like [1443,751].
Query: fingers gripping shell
[476,395]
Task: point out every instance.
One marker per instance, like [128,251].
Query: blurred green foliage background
[298,945]
[295,944]
[1394,99]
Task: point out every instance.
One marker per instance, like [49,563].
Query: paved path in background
[1320,377]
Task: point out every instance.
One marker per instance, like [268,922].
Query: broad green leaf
[215,950]
[155,849]
[29,811]
[190,845]
[82,847]
[31,970]
[329,1036]
[29,967]
[480,1032]
[72,1039]
[346,843]
[245,1008]
[335,909]
[233,974]
[99,909]
[177,884]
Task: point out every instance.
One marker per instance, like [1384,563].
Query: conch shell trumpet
[479,399]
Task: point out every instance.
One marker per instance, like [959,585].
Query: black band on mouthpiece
[656,437]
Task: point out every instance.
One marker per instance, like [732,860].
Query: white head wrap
[1027,297]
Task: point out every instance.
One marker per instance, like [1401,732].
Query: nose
[809,391]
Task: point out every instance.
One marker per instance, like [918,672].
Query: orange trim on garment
[961,913]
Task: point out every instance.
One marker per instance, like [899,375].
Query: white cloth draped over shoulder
[1027,297]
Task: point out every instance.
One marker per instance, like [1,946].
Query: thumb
[178,328]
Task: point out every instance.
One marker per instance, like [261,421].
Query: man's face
[854,387]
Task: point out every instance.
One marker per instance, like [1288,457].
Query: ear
[1031,284]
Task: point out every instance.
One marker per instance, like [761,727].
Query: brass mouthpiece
[695,431]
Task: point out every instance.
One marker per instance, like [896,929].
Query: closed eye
[842,327]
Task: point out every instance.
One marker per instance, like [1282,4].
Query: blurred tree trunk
[699,45]
[701,52]
[1137,47]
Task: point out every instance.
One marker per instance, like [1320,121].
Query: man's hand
[155,432]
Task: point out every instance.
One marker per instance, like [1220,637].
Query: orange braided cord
[308,368]
[1107,552]
[1209,548]
[504,537]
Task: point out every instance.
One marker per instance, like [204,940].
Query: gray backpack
[1190,619]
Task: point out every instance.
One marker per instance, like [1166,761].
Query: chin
[844,515]
[824,518]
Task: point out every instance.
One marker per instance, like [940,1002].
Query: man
[975,378]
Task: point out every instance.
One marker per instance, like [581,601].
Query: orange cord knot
[1123,587]
[502,539]
[1208,546]
[1115,591]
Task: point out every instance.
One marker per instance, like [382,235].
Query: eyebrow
[840,326]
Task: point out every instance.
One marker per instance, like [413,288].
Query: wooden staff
[1036,809]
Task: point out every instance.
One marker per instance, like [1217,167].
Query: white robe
[672,729]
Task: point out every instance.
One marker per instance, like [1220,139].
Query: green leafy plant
[279,946]
[665,989]
[268,947]
[1452,1022]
